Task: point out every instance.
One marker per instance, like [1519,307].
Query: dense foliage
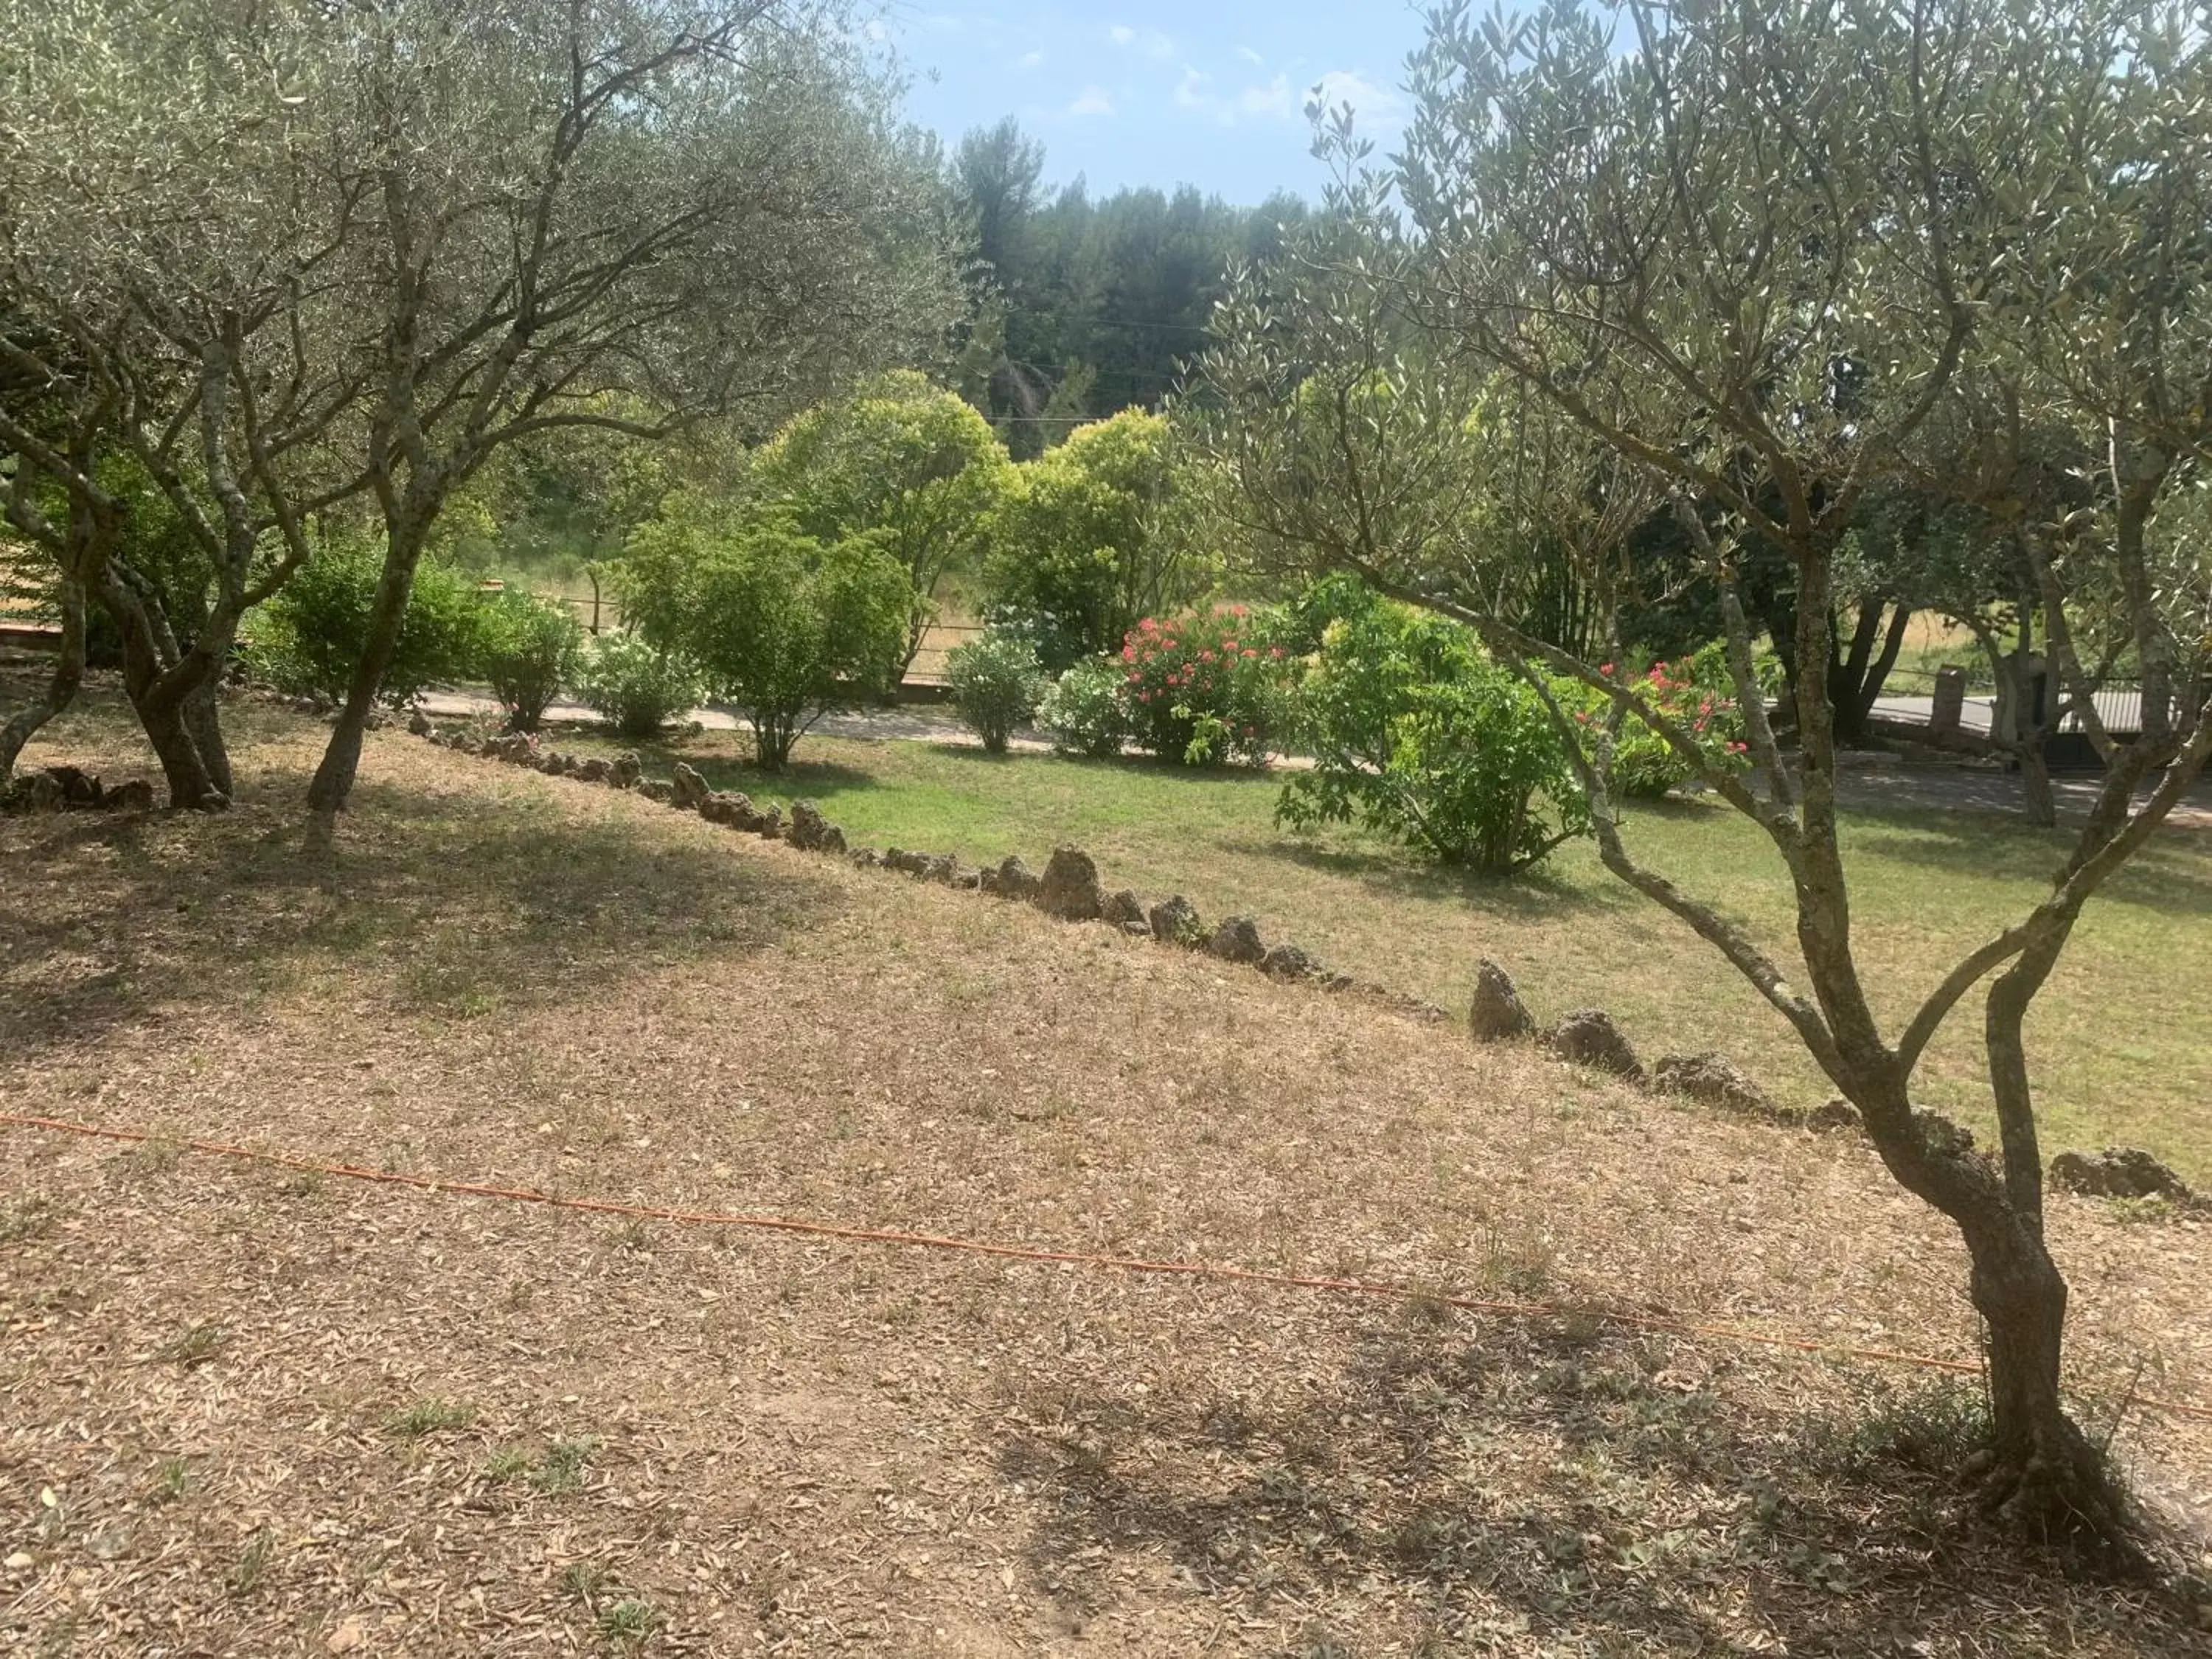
[901,460]
[1088,537]
[790,629]
[309,639]
[530,652]
[1695,694]
[996,682]
[1416,733]
[1087,305]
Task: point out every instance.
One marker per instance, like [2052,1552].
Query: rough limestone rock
[79,788]
[1497,1014]
[657,789]
[692,790]
[627,770]
[593,771]
[941,869]
[135,796]
[552,762]
[1834,1116]
[1069,889]
[726,807]
[968,881]
[768,824]
[42,793]
[1175,921]
[1588,1038]
[1714,1080]
[1290,962]
[811,832]
[418,723]
[2117,1172]
[1124,908]
[866,858]
[1015,879]
[1237,939]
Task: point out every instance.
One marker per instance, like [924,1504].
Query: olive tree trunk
[334,778]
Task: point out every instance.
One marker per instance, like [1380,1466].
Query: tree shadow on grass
[1393,873]
[438,902]
[2172,874]
[1560,1485]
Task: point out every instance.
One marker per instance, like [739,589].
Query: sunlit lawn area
[2124,1035]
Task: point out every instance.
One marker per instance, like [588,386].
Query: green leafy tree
[1092,536]
[789,628]
[1416,733]
[901,460]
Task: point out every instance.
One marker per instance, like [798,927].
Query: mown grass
[2122,1038]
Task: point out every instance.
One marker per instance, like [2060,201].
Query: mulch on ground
[246,1411]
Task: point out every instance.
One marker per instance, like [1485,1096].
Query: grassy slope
[2122,1038]
[284,1415]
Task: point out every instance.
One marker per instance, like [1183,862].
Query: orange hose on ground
[1027,1253]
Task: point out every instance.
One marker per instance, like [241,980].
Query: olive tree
[567,212]
[169,280]
[1747,260]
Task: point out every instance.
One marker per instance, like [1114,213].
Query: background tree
[1090,306]
[1747,258]
[901,458]
[1094,535]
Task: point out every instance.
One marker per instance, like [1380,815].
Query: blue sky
[1146,93]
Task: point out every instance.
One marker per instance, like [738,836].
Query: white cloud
[1274,99]
[1092,100]
[1028,60]
[1368,97]
[1190,91]
[1251,57]
[1152,43]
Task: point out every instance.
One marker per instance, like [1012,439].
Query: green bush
[636,685]
[790,629]
[1418,735]
[310,637]
[997,684]
[1087,710]
[1203,688]
[533,647]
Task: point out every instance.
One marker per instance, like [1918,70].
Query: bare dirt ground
[245,1411]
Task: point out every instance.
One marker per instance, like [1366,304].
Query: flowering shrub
[1698,694]
[1087,710]
[996,685]
[635,686]
[1416,733]
[1202,687]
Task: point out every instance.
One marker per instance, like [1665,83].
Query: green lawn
[2122,1037]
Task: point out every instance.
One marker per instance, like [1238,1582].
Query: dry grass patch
[685,1440]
